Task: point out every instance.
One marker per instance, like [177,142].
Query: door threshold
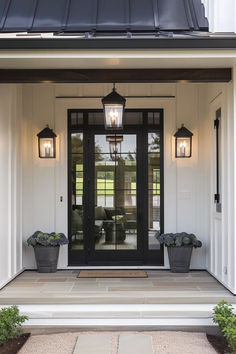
[116,267]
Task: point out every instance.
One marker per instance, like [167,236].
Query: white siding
[221,250]
[221,15]
[186,182]
[10,183]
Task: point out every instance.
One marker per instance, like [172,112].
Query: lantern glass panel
[113,116]
[115,149]
[183,147]
[46,147]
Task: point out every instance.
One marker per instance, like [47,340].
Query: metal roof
[104,16]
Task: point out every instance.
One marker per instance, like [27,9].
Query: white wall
[186,182]
[220,258]
[10,182]
[221,15]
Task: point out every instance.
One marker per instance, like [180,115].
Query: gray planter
[46,258]
[179,258]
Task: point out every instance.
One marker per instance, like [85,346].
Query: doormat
[112,274]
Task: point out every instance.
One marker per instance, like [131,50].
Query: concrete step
[143,315]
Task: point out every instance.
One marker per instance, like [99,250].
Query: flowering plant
[44,239]
[179,239]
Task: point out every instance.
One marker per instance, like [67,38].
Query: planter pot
[179,258]
[46,258]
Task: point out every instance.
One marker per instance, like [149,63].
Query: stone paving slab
[135,343]
[161,287]
[93,344]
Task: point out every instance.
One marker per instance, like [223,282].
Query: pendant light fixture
[114,107]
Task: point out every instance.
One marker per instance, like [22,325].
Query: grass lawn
[106,187]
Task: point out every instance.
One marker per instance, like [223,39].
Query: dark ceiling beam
[114,75]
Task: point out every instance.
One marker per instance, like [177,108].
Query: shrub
[44,239]
[10,323]
[226,319]
[179,239]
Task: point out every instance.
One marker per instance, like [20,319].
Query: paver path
[93,344]
[119,343]
[102,344]
[135,343]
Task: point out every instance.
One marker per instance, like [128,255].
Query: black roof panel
[20,15]
[101,15]
[143,16]
[82,16]
[49,15]
[172,15]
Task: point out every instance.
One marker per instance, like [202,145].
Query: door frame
[148,257]
[120,257]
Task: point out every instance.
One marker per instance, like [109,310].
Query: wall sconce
[114,107]
[115,146]
[183,143]
[47,143]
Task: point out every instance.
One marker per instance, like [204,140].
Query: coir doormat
[112,274]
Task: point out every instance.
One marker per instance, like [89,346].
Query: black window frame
[82,257]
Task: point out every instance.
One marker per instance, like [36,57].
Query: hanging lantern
[183,143]
[115,146]
[114,107]
[47,143]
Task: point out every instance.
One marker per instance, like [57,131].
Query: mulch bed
[219,344]
[14,345]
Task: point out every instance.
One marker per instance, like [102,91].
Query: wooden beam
[114,75]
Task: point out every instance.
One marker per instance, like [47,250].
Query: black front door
[115,189]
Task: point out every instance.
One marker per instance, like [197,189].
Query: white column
[232,236]
[10,183]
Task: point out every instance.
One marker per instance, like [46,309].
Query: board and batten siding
[10,182]
[31,187]
[221,15]
[221,256]
[186,181]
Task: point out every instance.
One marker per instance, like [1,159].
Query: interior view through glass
[115,185]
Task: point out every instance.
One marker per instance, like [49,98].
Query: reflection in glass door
[115,184]
[115,194]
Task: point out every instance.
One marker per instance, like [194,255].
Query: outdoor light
[113,106]
[47,143]
[183,143]
[115,146]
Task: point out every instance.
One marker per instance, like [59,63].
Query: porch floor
[161,287]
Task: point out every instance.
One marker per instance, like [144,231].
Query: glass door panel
[115,220]
[77,179]
[154,187]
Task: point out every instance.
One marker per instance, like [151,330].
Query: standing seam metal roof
[102,16]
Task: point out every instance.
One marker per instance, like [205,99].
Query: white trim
[96,323]
[117,53]
[103,315]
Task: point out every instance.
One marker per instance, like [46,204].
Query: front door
[115,189]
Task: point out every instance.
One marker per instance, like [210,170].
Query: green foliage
[178,239]
[44,239]
[226,319]
[10,323]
